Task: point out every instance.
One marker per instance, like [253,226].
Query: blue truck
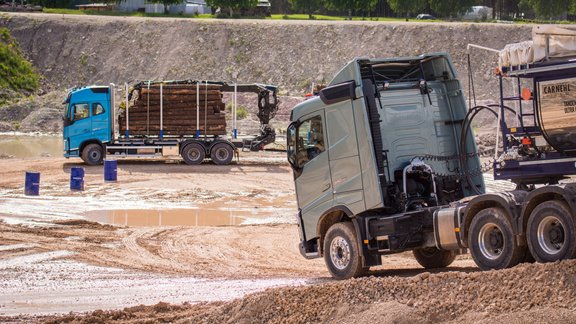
[91,125]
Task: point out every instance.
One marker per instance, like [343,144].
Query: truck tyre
[491,240]
[432,257]
[92,154]
[221,154]
[193,153]
[342,253]
[550,232]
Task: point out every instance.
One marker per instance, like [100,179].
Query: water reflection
[169,217]
[29,146]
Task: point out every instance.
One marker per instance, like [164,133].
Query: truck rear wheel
[551,233]
[341,252]
[193,153]
[432,257]
[92,154]
[491,241]
[221,154]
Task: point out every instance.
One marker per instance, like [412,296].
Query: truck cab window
[97,109]
[309,140]
[80,111]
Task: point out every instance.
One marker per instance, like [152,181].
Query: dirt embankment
[79,50]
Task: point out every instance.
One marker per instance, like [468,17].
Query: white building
[478,13]
[188,7]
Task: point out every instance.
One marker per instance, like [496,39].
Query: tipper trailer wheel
[432,257]
[342,253]
[93,154]
[491,240]
[222,154]
[551,233]
[193,153]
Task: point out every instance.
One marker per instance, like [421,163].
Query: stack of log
[179,111]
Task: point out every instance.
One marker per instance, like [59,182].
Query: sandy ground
[54,259]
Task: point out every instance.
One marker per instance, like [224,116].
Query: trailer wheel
[550,232]
[432,257]
[342,253]
[92,154]
[193,153]
[491,241]
[221,154]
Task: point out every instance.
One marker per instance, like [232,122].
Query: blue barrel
[110,170]
[77,179]
[32,184]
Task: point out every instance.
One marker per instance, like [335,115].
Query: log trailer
[175,118]
[385,161]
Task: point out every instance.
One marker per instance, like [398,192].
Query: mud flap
[369,259]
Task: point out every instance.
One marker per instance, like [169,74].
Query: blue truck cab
[88,122]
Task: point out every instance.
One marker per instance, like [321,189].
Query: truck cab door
[309,157]
[79,126]
[100,112]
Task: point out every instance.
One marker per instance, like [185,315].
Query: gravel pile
[528,292]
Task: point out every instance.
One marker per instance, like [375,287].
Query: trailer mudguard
[511,202]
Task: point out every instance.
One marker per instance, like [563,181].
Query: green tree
[232,5]
[366,6]
[349,6]
[549,8]
[449,8]
[307,6]
[404,7]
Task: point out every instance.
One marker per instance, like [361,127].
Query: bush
[241,111]
[16,73]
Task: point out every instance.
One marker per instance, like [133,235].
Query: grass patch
[241,111]
[210,16]
[16,73]
[324,17]
[62,11]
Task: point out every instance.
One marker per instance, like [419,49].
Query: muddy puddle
[30,146]
[205,215]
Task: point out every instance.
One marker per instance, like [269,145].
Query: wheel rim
[95,155]
[340,252]
[193,154]
[491,241]
[551,235]
[222,154]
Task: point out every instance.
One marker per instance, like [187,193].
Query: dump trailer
[385,161]
[162,118]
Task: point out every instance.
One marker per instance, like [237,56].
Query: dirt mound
[82,223]
[81,50]
[34,114]
[526,293]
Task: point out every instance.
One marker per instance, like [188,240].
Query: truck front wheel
[92,154]
[491,241]
[432,257]
[193,153]
[342,253]
[550,232]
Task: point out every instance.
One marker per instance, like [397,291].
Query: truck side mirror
[66,121]
[291,145]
